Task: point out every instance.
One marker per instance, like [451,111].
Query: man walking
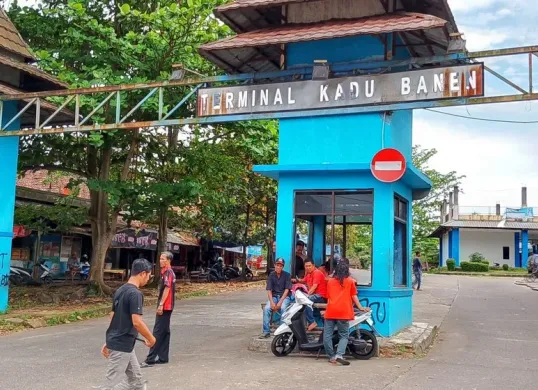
[278,289]
[158,354]
[126,321]
[417,270]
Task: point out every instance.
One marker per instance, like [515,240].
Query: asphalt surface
[488,340]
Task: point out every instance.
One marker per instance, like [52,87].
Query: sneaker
[342,361]
[265,336]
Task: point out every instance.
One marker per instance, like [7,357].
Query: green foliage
[506,267]
[467,266]
[55,218]
[426,211]
[451,264]
[477,257]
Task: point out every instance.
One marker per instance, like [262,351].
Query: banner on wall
[135,239]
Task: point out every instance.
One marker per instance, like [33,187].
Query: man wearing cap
[278,288]
[125,323]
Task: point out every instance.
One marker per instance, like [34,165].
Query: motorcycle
[84,272]
[362,343]
[234,272]
[20,276]
[216,273]
[45,273]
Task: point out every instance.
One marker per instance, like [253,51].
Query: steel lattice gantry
[68,102]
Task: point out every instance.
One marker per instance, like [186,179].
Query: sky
[497,159]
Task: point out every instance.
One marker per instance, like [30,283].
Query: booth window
[400,242]
[506,253]
[336,224]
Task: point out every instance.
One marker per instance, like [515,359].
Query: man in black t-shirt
[125,323]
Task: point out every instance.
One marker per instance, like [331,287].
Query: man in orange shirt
[317,290]
[341,294]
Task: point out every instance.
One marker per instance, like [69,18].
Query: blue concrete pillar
[284,229]
[441,251]
[524,248]
[9,149]
[318,247]
[383,243]
[517,255]
[454,245]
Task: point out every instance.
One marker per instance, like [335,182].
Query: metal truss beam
[83,122]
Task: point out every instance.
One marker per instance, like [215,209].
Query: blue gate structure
[343,78]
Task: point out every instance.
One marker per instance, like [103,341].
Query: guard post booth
[345,173]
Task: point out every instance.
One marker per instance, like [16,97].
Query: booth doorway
[333,225]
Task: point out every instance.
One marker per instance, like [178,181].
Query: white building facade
[506,236]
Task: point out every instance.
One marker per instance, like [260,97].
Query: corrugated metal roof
[11,40]
[259,50]
[50,81]
[498,225]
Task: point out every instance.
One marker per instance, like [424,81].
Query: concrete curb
[501,275]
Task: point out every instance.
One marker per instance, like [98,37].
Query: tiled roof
[42,181]
[33,71]
[11,40]
[404,21]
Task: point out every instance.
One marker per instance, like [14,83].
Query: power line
[480,119]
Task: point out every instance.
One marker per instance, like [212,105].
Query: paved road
[488,341]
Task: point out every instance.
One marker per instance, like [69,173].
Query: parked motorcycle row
[221,273]
[20,276]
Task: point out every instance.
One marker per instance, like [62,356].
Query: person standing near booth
[341,294]
[417,270]
[159,353]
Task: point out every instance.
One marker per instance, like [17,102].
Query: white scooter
[362,343]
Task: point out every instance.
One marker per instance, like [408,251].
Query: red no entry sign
[388,165]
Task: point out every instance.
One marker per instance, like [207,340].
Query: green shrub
[485,262]
[477,258]
[451,264]
[474,267]
[506,267]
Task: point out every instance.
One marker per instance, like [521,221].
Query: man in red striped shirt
[158,354]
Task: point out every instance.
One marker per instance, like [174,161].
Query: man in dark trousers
[278,289]
[158,354]
[417,270]
[125,323]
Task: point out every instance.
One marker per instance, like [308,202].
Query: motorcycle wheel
[370,349]
[229,274]
[250,276]
[15,280]
[280,346]
[47,279]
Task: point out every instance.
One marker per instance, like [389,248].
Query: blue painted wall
[517,256]
[456,246]
[350,139]
[9,149]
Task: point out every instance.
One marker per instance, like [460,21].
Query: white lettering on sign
[323,93]
[422,86]
[229,100]
[416,85]
[454,82]
[388,166]
[406,85]
[278,97]
[290,99]
[243,99]
[264,97]
[354,89]
[439,82]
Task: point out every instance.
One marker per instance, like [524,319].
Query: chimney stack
[450,204]
[498,209]
[456,213]
[524,197]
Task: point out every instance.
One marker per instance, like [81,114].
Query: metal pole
[530,72]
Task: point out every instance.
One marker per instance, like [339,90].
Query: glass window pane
[400,254]
[354,203]
[358,219]
[313,203]
[403,210]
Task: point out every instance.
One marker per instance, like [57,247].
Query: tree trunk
[101,242]
[245,241]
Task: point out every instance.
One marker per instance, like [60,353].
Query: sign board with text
[416,85]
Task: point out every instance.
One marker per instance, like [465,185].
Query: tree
[426,211]
[95,42]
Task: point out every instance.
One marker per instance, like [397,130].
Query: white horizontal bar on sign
[388,166]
